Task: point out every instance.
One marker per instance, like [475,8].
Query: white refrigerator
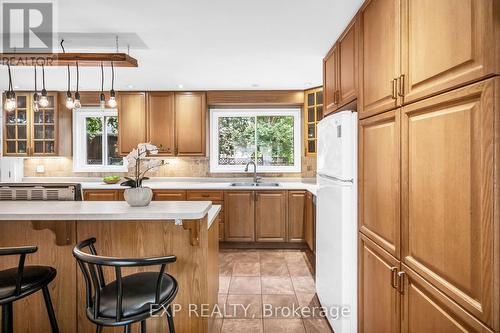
[336,224]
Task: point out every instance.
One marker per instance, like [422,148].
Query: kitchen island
[188,230]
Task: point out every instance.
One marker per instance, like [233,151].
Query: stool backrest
[21,251]
[91,266]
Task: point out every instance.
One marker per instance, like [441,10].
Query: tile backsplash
[176,167]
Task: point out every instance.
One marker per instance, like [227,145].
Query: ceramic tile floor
[258,287]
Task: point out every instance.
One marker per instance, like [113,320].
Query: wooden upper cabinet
[131,120]
[190,115]
[379,52]
[425,309]
[270,216]
[447,44]
[348,65]
[239,219]
[161,121]
[379,185]
[330,81]
[379,300]
[296,216]
[30,132]
[449,145]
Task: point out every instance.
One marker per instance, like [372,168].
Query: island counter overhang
[188,230]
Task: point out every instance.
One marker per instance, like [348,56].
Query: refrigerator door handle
[336,178]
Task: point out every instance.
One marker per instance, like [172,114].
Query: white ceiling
[201,44]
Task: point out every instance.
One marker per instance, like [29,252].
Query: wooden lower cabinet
[426,309]
[270,216]
[450,231]
[239,216]
[169,195]
[297,215]
[378,297]
[103,195]
[310,222]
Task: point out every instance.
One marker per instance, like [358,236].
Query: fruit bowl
[111,179]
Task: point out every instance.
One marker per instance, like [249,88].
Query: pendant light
[112,98]
[102,98]
[76,102]
[44,101]
[36,96]
[70,104]
[10,95]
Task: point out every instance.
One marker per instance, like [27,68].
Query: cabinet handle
[394,88]
[401,90]
[394,272]
[401,282]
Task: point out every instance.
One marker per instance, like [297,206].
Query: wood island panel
[196,268]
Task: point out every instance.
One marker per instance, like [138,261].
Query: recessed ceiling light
[180,86]
[308,83]
[255,85]
[16,87]
[130,86]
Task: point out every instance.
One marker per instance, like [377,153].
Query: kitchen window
[95,141]
[269,137]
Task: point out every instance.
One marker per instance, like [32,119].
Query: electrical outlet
[40,169]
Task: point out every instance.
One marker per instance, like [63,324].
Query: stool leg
[50,310]
[98,329]
[143,326]
[170,319]
[127,329]
[7,318]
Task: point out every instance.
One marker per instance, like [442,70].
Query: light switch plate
[40,169]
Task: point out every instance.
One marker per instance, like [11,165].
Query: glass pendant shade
[44,101]
[76,103]
[70,104]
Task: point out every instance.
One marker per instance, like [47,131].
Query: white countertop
[166,185]
[212,214]
[103,210]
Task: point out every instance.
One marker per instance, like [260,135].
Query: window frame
[216,113]
[80,144]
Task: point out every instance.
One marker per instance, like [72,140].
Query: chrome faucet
[256,179]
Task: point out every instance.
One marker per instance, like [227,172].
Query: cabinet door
[161,122]
[330,81]
[270,216]
[379,186]
[425,309]
[190,124]
[379,300]
[296,216]
[239,216]
[348,65]
[44,128]
[379,56]
[462,31]
[101,195]
[309,224]
[169,195]
[449,230]
[16,137]
[131,120]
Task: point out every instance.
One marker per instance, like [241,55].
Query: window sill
[259,170]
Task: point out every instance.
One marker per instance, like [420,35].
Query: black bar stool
[128,299]
[21,281]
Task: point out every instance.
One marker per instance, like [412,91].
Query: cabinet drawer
[169,195]
[102,195]
[205,195]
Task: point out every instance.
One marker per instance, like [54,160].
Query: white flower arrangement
[139,162]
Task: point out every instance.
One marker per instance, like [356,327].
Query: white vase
[138,197]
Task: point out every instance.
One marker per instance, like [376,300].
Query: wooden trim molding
[255,97]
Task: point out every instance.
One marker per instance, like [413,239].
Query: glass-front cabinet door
[30,131]
[313,113]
